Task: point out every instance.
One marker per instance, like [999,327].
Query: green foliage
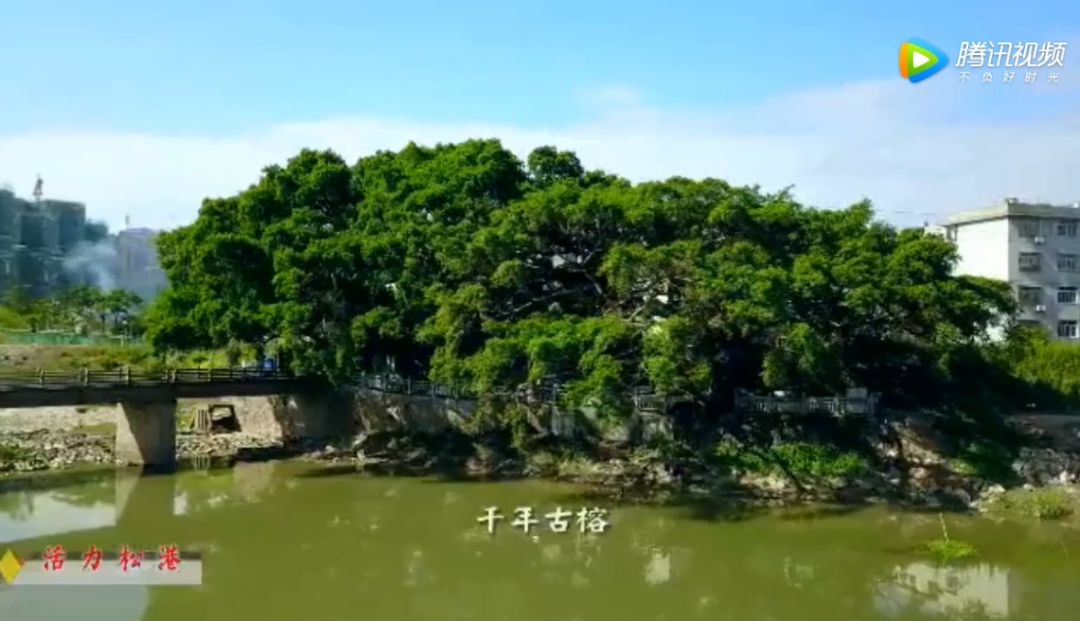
[18,299]
[74,357]
[799,459]
[462,263]
[548,165]
[963,467]
[139,357]
[817,460]
[185,418]
[1049,503]
[11,453]
[739,457]
[99,429]
[950,550]
[78,309]
[1051,368]
[12,320]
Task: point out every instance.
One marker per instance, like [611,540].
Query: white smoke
[93,263]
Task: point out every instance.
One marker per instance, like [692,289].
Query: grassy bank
[74,357]
[1049,503]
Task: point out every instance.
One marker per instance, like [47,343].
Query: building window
[1068,329]
[1067,228]
[1067,262]
[1027,227]
[1032,261]
[1067,295]
[1029,296]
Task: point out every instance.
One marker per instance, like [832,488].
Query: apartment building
[1035,248]
[34,238]
[139,270]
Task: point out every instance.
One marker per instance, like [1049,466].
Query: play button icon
[920,60]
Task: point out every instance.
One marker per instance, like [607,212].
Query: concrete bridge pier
[146,433]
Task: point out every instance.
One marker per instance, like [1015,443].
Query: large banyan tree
[466,265]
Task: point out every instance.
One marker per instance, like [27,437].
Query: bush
[12,452]
[543,463]
[963,467]
[949,550]
[11,320]
[796,458]
[818,460]
[1050,368]
[734,455]
[1048,504]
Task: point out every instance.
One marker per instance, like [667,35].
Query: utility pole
[38,189]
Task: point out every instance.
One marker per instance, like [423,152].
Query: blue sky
[126,79]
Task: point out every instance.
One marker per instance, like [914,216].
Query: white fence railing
[837,406]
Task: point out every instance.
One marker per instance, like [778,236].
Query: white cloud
[909,149]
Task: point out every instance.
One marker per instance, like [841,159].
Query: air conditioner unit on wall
[1040,239]
[1040,308]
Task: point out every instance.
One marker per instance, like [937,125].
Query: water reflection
[36,512]
[280,542]
[114,603]
[981,590]
[44,511]
[658,569]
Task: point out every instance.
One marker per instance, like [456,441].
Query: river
[289,540]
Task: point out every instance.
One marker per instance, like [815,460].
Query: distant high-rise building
[9,237]
[70,223]
[138,265]
[30,251]
[47,244]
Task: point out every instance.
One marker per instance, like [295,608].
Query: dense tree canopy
[79,308]
[462,263]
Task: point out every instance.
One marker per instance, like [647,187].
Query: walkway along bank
[278,406]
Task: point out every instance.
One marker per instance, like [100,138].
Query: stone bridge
[146,402]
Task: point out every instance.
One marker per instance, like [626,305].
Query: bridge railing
[643,397]
[127,377]
[547,392]
[836,406]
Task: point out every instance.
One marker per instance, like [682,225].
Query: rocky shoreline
[923,478]
[41,450]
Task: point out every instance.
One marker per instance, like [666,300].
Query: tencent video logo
[920,60]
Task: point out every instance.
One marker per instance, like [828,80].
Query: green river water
[286,540]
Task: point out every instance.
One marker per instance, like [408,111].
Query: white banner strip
[187,573]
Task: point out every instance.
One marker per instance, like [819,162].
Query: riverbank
[1044,484]
[904,466]
[31,451]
